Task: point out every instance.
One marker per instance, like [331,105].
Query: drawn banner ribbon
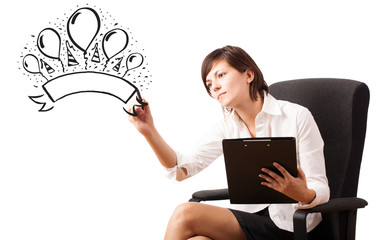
[82,82]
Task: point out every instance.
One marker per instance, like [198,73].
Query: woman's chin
[226,105]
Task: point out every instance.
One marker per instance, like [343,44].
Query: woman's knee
[186,214]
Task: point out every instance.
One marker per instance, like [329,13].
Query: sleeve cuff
[320,198]
[314,203]
[171,173]
[178,172]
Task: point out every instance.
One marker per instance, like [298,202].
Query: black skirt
[259,226]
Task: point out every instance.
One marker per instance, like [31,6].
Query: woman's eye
[209,85]
[221,75]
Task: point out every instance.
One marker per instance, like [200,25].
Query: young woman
[231,77]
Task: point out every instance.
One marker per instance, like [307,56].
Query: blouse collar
[271,105]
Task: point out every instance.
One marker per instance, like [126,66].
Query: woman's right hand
[143,121]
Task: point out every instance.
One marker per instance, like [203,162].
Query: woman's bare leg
[196,219]
[199,238]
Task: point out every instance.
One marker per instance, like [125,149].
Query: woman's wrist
[150,133]
[163,151]
[309,196]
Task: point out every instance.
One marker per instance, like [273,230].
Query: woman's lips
[218,97]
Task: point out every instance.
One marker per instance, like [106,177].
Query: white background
[81,171]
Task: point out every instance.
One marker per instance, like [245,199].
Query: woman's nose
[216,86]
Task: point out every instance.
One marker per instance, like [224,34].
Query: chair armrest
[299,217]
[338,205]
[334,205]
[210,195]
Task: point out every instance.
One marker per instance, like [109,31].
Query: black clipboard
[244,159]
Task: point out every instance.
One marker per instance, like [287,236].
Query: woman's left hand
[293,187]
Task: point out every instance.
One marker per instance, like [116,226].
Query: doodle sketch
[86,52]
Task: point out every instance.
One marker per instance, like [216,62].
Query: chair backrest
[339,107]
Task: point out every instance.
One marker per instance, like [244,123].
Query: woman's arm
[310,187]
[144,124]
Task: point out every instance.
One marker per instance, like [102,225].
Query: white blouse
[277,119]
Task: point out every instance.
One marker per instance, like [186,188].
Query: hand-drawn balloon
[114,42]
[82,27]
[134,61]
[48,43]
[31,64]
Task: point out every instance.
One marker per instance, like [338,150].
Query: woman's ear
[250,76]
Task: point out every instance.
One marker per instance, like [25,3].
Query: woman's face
[227,85]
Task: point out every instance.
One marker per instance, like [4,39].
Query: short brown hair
[240,60]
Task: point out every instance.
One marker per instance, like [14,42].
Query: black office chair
[340,108]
